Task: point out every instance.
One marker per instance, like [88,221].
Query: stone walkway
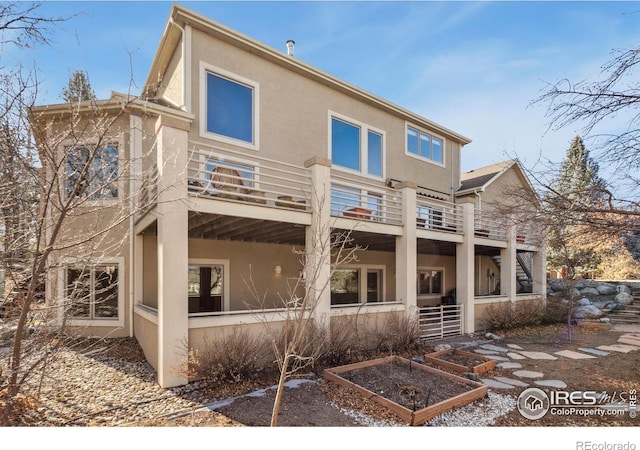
[626,343]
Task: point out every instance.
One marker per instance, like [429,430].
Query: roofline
[181,16]
[116,102]
[514,162]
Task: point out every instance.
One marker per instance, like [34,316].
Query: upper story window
[357,147]
[425,145]
[92,172]
[230,107]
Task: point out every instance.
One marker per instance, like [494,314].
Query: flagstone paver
[621,348]
[593,351]
[551,383]
[499,358]
[629,341]
[509,365]
[515,346]
[485,352]
[496,384]
[511,381]
[574,355]
[514,355]
[538,355]
[528,374]
[495,348]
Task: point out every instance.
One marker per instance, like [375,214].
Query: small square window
[229,108]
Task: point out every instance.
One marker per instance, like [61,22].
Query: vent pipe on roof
[290,46]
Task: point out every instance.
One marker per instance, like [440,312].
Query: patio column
[318,240]
[465,265]
[172,234]
[508,266]
[406,250]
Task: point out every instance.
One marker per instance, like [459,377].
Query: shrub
[505,316]
[235,357]
[556,311]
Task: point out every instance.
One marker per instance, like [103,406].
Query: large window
[356,147]
[430,281]
[425,145]
[92,172]
[351,286]
[92,291]
[229,107]
[206,288]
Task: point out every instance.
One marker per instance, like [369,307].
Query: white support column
[508,266]
[465,268]
[406,250]
[318,240]
[172,212]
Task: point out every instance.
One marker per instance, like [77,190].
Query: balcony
[438,216]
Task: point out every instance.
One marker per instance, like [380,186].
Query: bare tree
[303,336]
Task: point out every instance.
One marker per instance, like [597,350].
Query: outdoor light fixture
[277,270]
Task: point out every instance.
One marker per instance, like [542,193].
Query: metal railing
[148,190]
[356,198]
[437,322]
[487,226]
[439,215]
[238,177]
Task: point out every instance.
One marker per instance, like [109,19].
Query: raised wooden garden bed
[461,361]
[414,392]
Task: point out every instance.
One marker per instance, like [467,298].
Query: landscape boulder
[623,289]
[584,302]
[587,312]
[606,289]
[624,298]
[589,291]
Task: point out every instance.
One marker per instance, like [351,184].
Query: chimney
[290,46]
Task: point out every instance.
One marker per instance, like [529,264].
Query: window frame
[365,129]
[363,271]
[92,321]
[431,295]
[68,146]
[226,289]
[205,69]
[431,135]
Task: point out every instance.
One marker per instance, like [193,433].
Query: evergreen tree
[578,178]
[78,89]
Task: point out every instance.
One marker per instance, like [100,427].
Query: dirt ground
[311,403]
[321,403]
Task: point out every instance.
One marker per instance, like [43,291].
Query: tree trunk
[279,390]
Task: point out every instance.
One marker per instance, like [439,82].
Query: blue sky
[473,67]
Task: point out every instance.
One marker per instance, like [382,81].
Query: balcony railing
[439,216]
[235,177]
[148,190]
[488,227]
[360,199]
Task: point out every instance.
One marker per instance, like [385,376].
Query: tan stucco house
[241,162]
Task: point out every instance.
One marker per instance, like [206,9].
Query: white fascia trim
[204,69]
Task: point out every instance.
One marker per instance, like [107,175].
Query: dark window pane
[345,286]
[374,278]
[229,108]
[374,154]
[345,144]
[436,282]
[78,292]
[106,291]
[106,172]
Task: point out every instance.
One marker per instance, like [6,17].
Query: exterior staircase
[630,314]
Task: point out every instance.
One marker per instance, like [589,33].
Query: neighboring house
[257,154]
